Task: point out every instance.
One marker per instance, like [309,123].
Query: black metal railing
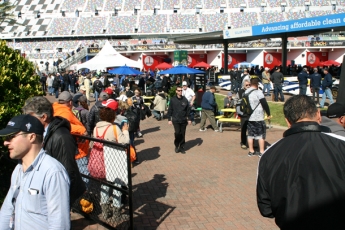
[109,184]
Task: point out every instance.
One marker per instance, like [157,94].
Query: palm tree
[6,14]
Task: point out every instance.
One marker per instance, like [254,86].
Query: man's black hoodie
[178,110]
[60,144]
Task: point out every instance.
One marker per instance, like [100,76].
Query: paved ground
[212,186]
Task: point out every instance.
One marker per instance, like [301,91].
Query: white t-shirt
[254,100]
[188,93]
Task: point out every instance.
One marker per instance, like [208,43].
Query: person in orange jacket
[63,108]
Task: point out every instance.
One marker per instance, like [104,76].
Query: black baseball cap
[336,110]
[23,123]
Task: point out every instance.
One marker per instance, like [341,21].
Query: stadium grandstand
[58,29]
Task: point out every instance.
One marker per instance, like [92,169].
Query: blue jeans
[96,95]
[278,89]
[302,90]
[156,114]
[327,92]
[82,166]
[267,87]
[50,90]
[56,91]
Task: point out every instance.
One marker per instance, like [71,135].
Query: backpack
[96,164]
[97,86]
[77,113]
[243,108]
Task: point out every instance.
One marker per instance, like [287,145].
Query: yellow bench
[222,120]
[148,104]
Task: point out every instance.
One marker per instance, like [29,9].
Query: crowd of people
[45,133]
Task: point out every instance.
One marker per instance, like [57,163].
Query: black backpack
[243,108]
[97,86]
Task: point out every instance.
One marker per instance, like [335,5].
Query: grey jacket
[334,126]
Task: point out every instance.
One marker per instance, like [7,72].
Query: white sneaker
[140,134]
[202,130]
[217,130]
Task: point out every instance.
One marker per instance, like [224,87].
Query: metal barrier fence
[108,200]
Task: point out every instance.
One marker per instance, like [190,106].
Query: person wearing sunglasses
[178,112]
[39,194]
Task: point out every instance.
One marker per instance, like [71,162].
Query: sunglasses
[247,85]
[179,90]
[10,137]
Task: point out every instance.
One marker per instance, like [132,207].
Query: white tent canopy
[108,57]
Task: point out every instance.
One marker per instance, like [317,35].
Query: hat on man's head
[82,88]
[104,96]
[229,94]
[266,68]
[65,96]
[23,123]
[184,83]
[336,110]
[111,104]
[108,91]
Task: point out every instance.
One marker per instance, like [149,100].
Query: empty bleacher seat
[152,23]
[214,22]
[122,24]
[169,4]
[183,21]
[213,4]
[111,4]
[271,17]
[92,25]
[93,4]
[72,5]
[243,19]
[62,26]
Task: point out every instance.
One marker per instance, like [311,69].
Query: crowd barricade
[108,177]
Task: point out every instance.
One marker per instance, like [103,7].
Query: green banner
[180,57]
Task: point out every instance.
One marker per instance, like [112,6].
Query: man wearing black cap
[38,197]
[335,119]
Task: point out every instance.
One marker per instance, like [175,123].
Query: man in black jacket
[301,179]
[178,116]
[58,141]
[93,117]
[315,84]
[277,78]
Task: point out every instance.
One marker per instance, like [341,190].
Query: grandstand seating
[235,3]
[319,2]
[25,46]
[271,17]
[341,2]
[243,19]
[72,44]
[183,21]
[273,3]
[72,5]
[62,26]
[295,15]
[169,4]
[319,13]
[150,4]
[152,23]
[91,25]
[190,4]
[93,4]
[254,3]
[47,45]
[130,4]
[294,3]
[214,22]
[111,4]
[122,24]
[213,4]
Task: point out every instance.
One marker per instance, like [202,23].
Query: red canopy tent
[330,62]
[202,64]
[164,65]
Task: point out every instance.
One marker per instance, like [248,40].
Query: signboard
[322,22]
[180,57]
[237,33]
[314,59]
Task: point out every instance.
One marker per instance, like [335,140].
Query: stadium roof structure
[284,29]
[292,28]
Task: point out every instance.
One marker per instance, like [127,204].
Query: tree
[18,82]
[6,14]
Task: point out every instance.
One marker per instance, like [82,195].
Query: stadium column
[284,53]
[341,89]
[226,44]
